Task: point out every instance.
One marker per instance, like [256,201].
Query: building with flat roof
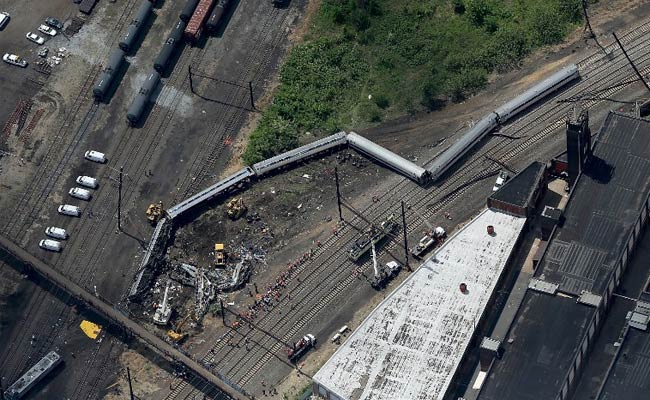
[569,295]
[520,194]
[412,345]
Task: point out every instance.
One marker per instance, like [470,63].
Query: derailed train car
[388,158]
[137,107]
[500,116]
[106,78]
[300,154]
[223,186]
[172,42]
[135,27]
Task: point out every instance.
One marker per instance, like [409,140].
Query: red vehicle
[197,21]
[300,348]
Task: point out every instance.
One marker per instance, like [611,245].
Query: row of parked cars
[49,28]
[81,193]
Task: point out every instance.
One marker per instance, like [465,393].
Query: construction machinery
[163,311]
[235,208]
[431,238]
[383,274]
[219,254]
[372,236]
[299,349]
[154,212]
[176,334]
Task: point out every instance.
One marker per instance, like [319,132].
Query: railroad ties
[10,250]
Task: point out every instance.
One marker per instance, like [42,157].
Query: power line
[638,73]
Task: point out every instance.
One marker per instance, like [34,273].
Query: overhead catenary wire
[636,70]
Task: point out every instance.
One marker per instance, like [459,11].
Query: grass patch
[365,61]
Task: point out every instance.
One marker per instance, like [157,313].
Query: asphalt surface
[19,83]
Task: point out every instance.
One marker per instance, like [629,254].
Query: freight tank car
[197,22]
[107,76]
[165,55]
[135,27]
[217,15]
[138,105]
[188,10]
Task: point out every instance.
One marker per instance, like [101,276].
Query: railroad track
[101,204]
[215,143]
[16,225]
[509,155]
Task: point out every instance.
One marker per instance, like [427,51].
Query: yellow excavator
[219,254]
[235,208]
[154,212]
[175,334]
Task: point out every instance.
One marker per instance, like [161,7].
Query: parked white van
[51,245]
[58,233]
[80,193]
[95,156]
[67,209]
[87,181]
[4,19]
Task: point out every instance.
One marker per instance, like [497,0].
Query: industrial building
[520,195]
[552,334]
[413,344]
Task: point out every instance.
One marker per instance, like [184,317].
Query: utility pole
[119,200]
[638,73]
[128,374]
[2,392]
[338,192]
[250,90]
[223,312]
[406,245]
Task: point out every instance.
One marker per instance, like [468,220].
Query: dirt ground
[276,202]
[175,151]
[287,214]
[283,230]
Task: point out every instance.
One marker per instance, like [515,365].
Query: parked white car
[14,60]
[51,245]
[80,193]
[95,156]
[87,181]
[47,30]
[34,38]
[4,19]
[57,233]
[501,179]
[67,209]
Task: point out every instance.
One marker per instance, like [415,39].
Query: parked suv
[54,23]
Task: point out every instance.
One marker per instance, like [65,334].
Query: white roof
[410,346]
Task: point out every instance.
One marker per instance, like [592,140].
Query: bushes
[407,54]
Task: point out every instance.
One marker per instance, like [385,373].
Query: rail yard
[125,205]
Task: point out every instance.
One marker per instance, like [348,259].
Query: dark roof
[599,218]
[520,188]
[534,364]
[562,157]
[630,376]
